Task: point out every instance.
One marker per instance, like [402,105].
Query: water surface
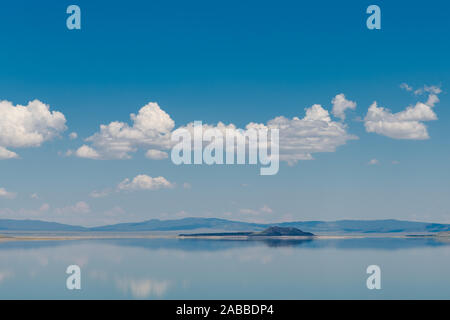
[226,269]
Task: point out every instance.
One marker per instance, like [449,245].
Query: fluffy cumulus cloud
[340,105]
[6,194]
[140,182]
[406,124]
[314,133]
[144,182]
[27,126]
[299,138]
[151,127]
[428,89]
[156,154]
[7,154]
[86,152]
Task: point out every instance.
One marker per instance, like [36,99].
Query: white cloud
[142,288]
[6,154]
[263,214]
[73,135]
[144,182]
[156,154]
[374,162]
[406,87]
[27,126]
[79,207]
[140,182]
[432,100]
[316,132]
[406,124]
[401,125]
[428,89]
[44,208]
[340,105]
[266,209]
[6,194]
[34,196]
[85,152]
[99,194]
[116,140]
[299,138]
[255,212]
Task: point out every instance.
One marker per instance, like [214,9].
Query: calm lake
[226,269]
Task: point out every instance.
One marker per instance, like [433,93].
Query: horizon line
[223,219]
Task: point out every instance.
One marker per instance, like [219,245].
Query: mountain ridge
[193,223]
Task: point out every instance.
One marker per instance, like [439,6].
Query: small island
[269,232]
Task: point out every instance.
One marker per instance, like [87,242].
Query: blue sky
[235,62]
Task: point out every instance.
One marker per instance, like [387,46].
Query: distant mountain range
[36,225]
[317,227]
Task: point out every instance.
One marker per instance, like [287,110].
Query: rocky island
[269,232]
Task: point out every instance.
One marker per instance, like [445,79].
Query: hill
[36,225]
[222,225]
[182,224]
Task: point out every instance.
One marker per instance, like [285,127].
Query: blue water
[226,269]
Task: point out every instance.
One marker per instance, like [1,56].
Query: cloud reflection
[143,288]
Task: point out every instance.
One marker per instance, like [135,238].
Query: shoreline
[5,238]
